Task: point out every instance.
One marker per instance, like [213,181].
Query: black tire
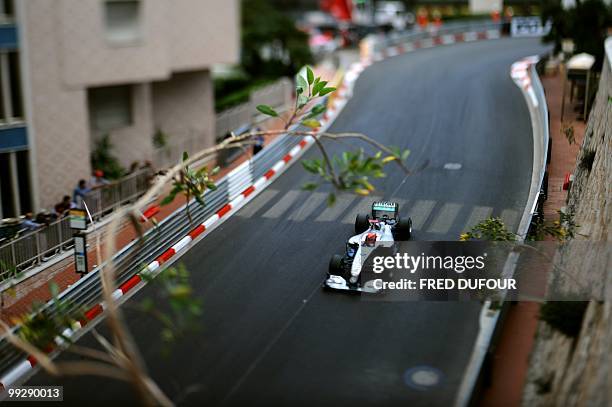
[335,265]
[404,229]
[362,223]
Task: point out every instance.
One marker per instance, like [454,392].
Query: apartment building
[73,71]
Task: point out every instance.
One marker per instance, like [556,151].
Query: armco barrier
[379,47]
[526,78]
[172,235]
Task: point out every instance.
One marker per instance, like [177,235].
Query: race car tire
[362,223]
[403,230]
[335,265]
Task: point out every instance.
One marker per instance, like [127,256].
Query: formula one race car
[383,226]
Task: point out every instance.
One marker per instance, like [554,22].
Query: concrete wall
[567,371]
[66,51]
[183,108]
[56,115]
[176,35]
[135,142]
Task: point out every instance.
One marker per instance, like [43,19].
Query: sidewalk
[511,359]
[63,273]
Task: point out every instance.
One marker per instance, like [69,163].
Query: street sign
[78,219]
[529,27]
[80,254]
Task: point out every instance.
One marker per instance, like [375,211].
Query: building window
[110,108]
[11,98]
[122,21]
[15,75]
[7,10]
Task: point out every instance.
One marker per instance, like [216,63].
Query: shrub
[103,159]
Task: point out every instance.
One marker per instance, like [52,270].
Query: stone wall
[576,371]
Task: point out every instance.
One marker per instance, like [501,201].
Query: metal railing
[33,248]
[108,198]
[87,291]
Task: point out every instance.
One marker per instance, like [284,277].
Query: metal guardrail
[543,118]
[382,43]
[36,247]
[491,322]
[129,261]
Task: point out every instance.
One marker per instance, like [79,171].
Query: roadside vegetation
[272,47]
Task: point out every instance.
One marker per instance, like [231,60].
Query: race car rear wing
[385,209]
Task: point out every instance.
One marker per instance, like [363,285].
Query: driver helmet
[370,239]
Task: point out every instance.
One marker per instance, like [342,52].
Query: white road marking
[282,205]
[257,203]
[420,212]
[403,204]
[479,213]
[312,202]
[452,166]
[332,213]
[445,218]
[363,206]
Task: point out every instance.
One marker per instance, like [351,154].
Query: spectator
[64,206]
[259,143]
[43,218]
[98,179]
[79,193]
[29,223]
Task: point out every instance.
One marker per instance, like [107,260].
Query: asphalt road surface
[269,335]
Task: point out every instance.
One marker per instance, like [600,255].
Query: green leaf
[147,304]
[331,199]
[54,288]
[185,156]
[405,155]
[312,123]
[167,200]
[302,101]
[311,166]
[325,91]
[267,110]
[310,75]
[310,186]
[317,110]
[318,86]
[300,84]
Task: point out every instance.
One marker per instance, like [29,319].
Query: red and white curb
[520,75]
[442,39]
[25,367]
